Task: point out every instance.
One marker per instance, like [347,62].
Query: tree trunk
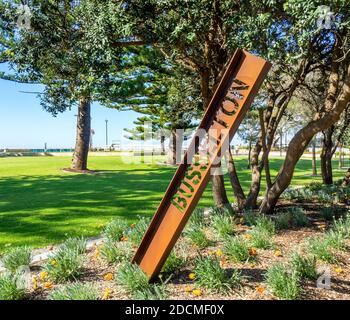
[346,179]
[249,154]
[82,143]
[219,191]
[235,183]
[162,145]
[314,163]
[175,147]
[299,143]
[326,156]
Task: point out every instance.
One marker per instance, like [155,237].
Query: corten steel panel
[236,91]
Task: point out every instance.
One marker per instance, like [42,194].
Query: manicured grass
[40,204]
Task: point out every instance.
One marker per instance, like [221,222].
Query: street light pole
[106,134]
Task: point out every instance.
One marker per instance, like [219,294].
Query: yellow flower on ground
[132,225]
[278,253]
[253,252]
[260,290]
[192,276]
[108,277]
[253,265]
[53,262]
[124,239]
[43,275]
[339,270]
[188,289]
[107,294]
[35,283]
[219,253]
[48,285]
[197,292]
[248,236]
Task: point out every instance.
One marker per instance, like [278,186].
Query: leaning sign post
[230,102]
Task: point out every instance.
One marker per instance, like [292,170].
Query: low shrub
[304,266]
[265,224]
[174,262]
[75,244]
[321,250]
[197,237]
[327,213]
[11,287]
[342,226]
[75,291]
[335,240]
[237,249]
[65,264]
[138,230]
[261,239]
[116,229]
[298,217]
[116,251]
[222,224]
[16,258]
[282,282]
[132,278]
[198,218]
[210,275]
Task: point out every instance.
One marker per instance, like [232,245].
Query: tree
[64,49]
[248,131]
[166,93]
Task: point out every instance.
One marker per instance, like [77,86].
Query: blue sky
[24,124]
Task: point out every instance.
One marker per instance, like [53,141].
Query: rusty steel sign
[231,100]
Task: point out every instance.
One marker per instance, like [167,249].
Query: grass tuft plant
[304,266]
[283,283]
[116,251]
[174,262]
[16,258]
[138,230]
[327,213]
[222,224]
[210,275]
[237,249]
[11,287]
[75,244]
[197,237]
[321,250]
[116,229]
[75,291]
[64,265]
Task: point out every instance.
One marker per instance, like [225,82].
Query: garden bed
[300,253]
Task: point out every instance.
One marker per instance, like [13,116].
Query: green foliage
[11,287]
[174,262]
[335,240]
[132,278]
[116,229]
[136,233]
[283,283]
[237,249]
[222,224]
[75,291]
[327,213]
[75,244]
[321,250]
[197,237]
[16,258]
[210,275]
[304,266]
[261,238]
[65,265]
[135,282]
[292,217]
[265,224]
[197,218]
[153,292]
[116,251]
[342,226]
[250,217]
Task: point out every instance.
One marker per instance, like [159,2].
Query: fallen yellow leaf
[248,236]
[278,253]
[339,270]
[48,285]
[253,252]
[107,294]
[188,289]
[43,275]
[260,290]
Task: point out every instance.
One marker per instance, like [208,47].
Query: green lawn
[40,204]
